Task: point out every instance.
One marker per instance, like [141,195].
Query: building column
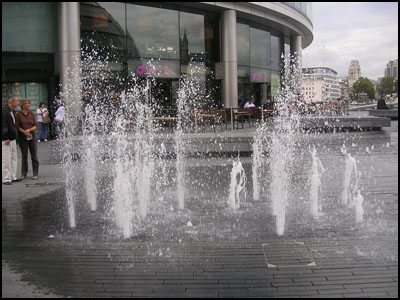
[70,57]
[229,59]
[296,48]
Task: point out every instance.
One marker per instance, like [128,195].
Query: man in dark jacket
[381,103]
[9,136]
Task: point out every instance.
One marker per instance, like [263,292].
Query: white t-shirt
[40,117]
[60,114]
[248,104]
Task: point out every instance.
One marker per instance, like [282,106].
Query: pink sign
[259,77]
[153,70]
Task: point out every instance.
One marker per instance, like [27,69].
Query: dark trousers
[32,145]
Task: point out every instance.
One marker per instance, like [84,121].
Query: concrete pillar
[229,59]
[70,56]
[296,48]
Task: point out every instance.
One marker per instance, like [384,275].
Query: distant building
[392,69]
[354,72]
[313,90]
[320,84]
[344,88]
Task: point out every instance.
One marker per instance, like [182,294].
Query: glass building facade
[167,41]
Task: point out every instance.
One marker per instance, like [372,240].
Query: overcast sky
[343,31]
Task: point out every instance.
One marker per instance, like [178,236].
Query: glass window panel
[260,48]
[155,32]
[36,92]
[103,31]
[211,36]
[192,47]
[243,44]
[30,27]
[275,85]
[275,52]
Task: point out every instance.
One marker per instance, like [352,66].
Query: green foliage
[388,85]
[363,85]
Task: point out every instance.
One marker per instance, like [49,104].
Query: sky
[343,31]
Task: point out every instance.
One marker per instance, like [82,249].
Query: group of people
[19,127]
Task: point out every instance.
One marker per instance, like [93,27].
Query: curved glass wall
[259,61]
[142,40]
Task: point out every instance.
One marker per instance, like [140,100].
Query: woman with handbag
[43,121]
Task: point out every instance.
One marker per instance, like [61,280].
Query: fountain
[237,187]
[315,183]
[139,172]
[351,194]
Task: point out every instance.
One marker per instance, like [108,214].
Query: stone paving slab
[222,254]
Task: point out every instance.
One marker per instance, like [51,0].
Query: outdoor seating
[241,115]
[211,118]
[166,117]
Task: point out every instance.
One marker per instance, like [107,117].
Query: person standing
[26,124]
[59,119]
[9,136]
[42,114]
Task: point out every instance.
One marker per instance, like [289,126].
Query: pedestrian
[59,119]
[9,135]
[381,104]
[26,125]
[43,121]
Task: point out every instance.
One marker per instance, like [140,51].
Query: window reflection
[243,44]
[155,32]
[192,36]
[260,48]
[275,52]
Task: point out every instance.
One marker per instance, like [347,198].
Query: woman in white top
[43,130]
[59,119]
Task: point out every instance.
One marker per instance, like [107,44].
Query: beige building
[313,90]
[354,72]
[320,84]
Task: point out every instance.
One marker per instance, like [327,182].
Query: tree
[363,85]
[388,85]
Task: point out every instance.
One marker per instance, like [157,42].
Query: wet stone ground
[209,250]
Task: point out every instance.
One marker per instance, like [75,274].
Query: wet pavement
[208,250]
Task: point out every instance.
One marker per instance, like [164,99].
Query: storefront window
[191,37]
[103,41]
[260,48]
[29,27]
[243,44]
[155,32]
[275,52]
[275,85]
[36,92]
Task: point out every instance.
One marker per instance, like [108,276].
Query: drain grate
[287,254]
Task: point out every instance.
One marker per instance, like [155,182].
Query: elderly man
[9,141]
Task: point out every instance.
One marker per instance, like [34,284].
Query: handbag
[46,119]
